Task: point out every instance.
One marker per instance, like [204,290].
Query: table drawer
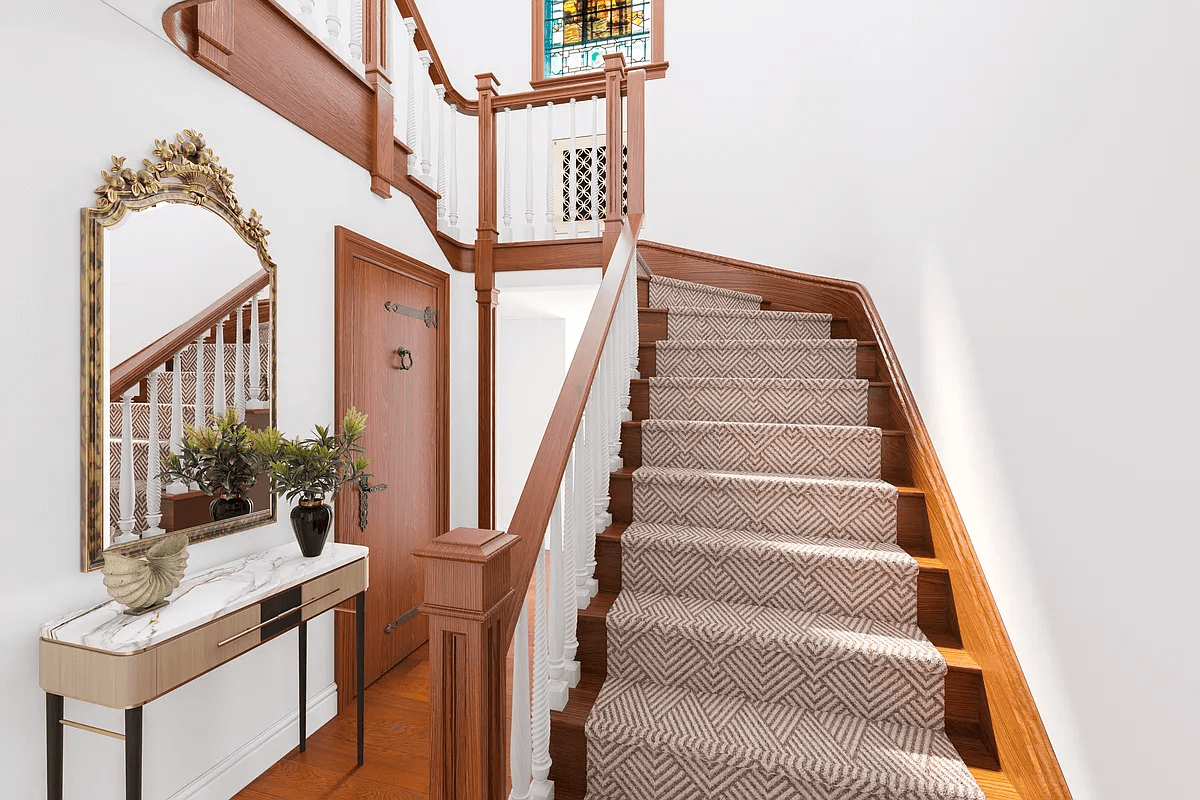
[327,591]
[198,651]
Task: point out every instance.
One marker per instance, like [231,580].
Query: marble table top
[200,598]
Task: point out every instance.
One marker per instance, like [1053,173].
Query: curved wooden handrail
[536,503]
[132,370]
[408,9]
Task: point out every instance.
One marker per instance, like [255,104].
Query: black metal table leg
[360,624]
[303,686]
[133,753]
[54,746]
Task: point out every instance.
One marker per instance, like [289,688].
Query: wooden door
[381,298]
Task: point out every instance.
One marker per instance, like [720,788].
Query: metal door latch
[406,359]
[364,499]
[403,618]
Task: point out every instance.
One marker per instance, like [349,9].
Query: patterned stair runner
[764,644]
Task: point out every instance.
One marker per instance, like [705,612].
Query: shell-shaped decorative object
[142,584]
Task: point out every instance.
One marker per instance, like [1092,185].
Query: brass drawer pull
[276,618]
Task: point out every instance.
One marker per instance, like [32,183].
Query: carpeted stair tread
[843,508]
[876,580]
[673,293]
[757,358]
[745,323]
[825,450]
[669,743]
[812,401]
[849,665]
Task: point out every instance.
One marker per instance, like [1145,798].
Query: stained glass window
[579,33]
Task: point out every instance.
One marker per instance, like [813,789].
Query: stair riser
[862,366]
[652,326]
[673,296]
[840,452]
[878,414]
[687,326]
[768,507]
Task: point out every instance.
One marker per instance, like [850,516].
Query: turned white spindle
[426,128]
[442,224]
[239,369]
[520,740]
[542,788]
[125,491]
[306,14]
[616,370]
[356,31]
[551,173]
[595,225]
[572,181]
[604,417]
[506,231]
[176,486]
[333,26]
[219,371]
[583,514]
[410,136]
[453,187]
[257,367]
[558,684]
[569,601]
[200,413]
[153,465]
[528,233]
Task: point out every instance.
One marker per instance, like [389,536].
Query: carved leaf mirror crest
[178,330]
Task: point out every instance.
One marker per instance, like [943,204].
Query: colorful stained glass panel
[579,33]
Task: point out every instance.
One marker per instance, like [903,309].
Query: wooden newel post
[486,296]
[467,584]
[375,59]
[614,137]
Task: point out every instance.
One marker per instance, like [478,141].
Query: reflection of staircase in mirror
[150,415]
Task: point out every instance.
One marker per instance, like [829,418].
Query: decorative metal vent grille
[584,200]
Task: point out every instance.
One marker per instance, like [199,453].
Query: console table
[102,655]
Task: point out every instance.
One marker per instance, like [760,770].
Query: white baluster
[125,491]
[542,788]
[559,689]
[426,143]
[257,367]
[520,740]
[442,224]
[616,370]
[572,181]
[453,229]
[629,296]
[306,14]
[506,231]
[571,670]
[153,465]
[333,26]
[583,514]
[634,312]
[356,31]
[551,172]
[200,418]
[176,486]
[528,233]
[410,137]
[239,369]
[219,372]
[595,226]
[604,419]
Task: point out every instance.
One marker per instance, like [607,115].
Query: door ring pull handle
[406,359]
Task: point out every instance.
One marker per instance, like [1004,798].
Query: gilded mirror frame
[186,172]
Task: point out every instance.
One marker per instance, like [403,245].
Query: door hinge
[428,316]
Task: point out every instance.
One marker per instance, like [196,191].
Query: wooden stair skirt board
[989,714]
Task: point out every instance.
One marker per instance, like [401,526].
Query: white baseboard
[254,758]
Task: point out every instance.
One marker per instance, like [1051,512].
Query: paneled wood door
[385,303]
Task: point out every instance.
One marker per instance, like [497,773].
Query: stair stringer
[1024,749]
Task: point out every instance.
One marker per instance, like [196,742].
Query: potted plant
[312,469]
[219,458]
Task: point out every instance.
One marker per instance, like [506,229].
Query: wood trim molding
[214,29]
[1025,751]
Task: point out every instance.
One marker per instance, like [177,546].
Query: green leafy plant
[318,466]
[219,458]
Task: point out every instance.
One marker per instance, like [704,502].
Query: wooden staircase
[968,720]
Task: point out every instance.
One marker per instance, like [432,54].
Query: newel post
[375,61]
[467,584]
[486,296]
[614,136]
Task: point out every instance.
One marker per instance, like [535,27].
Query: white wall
[1017,184]
[80,82]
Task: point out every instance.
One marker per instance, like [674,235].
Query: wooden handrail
[437,71]
[135,368]
[532,514]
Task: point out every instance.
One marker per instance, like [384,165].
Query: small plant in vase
[219,458]
[312,469]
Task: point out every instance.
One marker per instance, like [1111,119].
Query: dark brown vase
[310,523]
[229,507]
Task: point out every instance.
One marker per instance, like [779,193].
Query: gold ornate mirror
[178,330]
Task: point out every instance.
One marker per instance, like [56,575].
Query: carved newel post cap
[467,573]
[487,82]
[614,61]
